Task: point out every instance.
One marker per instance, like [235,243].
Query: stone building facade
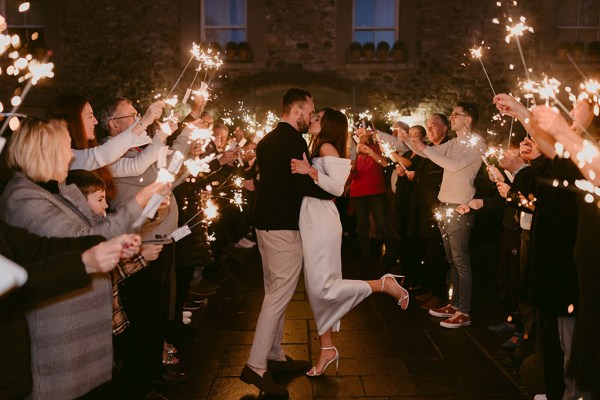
[138,48]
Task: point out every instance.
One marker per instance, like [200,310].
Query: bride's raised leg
[388,284]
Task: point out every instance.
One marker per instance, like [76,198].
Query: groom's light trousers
[281,252]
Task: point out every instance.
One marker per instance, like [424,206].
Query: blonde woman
[71,335]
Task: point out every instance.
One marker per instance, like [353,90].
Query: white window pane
[386,13]
[385,36]
[222,36]
[364,13]
[225,12]
[363,37]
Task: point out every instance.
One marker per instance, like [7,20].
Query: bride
[330,296]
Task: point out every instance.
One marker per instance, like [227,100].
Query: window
[578,20]
[375,21]
[28,25]
[223,21]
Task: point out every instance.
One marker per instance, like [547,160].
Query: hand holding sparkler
[153,112]
[503,189]
[551,121]
[143,196]
[494,174]
[508,105]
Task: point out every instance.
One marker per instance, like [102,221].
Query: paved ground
[386,353]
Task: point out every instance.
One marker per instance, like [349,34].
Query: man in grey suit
[276,215]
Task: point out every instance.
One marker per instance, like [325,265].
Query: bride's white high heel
[336,358]
[404,297]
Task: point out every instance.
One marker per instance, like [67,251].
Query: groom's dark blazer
[279,192]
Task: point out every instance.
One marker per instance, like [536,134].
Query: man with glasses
[145,297]
[461,159]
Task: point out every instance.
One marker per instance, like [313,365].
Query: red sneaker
[458,320]
[443,312]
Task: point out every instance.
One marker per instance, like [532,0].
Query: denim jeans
[456,232]
[377,205]
[566,326]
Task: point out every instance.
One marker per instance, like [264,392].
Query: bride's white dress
[330,296]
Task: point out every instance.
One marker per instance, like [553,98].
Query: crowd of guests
[106,328]
[103,305]
[544,188]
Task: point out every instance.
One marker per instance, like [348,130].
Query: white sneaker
[248,241]
[243,244]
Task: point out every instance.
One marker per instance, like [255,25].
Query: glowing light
[23,7]
[39,71]
[517,30]
[14,123]
[164,176]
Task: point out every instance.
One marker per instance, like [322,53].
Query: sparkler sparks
[476,53]
[516,31]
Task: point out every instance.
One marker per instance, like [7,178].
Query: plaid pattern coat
[71,335]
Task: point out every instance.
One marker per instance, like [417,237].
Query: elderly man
[145,297]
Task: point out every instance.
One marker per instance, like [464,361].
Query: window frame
[204,26]
[578,27]
[375,28]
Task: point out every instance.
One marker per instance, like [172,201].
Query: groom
[276,214]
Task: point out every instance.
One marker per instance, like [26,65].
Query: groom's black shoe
[264,383]
[289,365]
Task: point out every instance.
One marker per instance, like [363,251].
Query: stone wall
[135,49]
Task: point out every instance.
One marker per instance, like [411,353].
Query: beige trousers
[281,253]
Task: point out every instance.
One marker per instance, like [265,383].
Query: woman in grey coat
[71,336]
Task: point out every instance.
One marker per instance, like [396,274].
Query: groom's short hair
[292,96]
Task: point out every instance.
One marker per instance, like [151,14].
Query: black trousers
[145,299]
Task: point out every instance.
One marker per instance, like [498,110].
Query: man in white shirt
[461,160]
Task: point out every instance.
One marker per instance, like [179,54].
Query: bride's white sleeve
[335,176]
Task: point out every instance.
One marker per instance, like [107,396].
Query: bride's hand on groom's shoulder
[300,166]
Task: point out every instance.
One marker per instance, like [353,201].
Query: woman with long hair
[78,114]
[106,159]
[330,296]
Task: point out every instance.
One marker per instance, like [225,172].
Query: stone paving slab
[386,353]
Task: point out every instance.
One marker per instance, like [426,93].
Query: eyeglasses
[455,114]
[132,115]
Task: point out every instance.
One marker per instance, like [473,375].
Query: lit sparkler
[516,31]
[195,51]
[476,53]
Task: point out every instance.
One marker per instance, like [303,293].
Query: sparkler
[576,66]
[209,61]
[476,53]
[390,153]
[548,89]
[37,70]
[195,54]
[516,31]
